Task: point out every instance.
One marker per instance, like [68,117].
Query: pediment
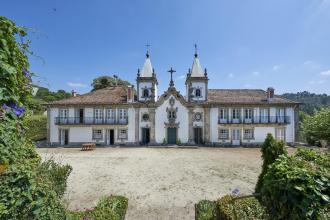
[172,92]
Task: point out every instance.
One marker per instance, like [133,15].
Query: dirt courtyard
[160,183]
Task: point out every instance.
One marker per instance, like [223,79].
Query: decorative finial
[205,72]
[138,74]
[171,71]
[196,51]
[147,46]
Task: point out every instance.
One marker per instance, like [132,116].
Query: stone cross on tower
[171,71]
[147,46]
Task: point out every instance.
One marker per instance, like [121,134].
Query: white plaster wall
[53,128]
[71,112]
[214,115]
[260,133]
[131,125]
[289,131]
[81,134]
[161,118]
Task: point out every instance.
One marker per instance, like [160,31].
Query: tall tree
[107,81]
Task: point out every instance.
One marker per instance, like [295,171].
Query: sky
[243,44]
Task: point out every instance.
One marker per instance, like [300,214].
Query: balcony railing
[89,121]
[257,120]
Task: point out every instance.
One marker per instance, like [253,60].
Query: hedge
[206,210]
[227,208]
[108,208]
[36,127]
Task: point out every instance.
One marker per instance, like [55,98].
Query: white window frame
[145,96]
[122,113]
[248,112]
[248,134]
[97,134]
[236,113]
[280,134]
[200,93]
[122,133]
[223,134]
[223,113]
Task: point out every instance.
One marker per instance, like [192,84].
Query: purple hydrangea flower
[27,73]
[235,192]
[15,108]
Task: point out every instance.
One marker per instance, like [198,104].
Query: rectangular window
[122,114]
[280,134]
[98,113]
[64,113]
[236,113]
[171,114]
[223,134]
[248,134]
[110,114]
[122,134]
[97,134]
[223,113]
[248,113]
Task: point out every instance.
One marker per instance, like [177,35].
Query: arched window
[145,93]
[198,93]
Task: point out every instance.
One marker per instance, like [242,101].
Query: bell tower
[196,82]
[147,82]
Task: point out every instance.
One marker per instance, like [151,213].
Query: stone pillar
[207,125]
[137,126]
[190,126]
[152,114]
[296,124]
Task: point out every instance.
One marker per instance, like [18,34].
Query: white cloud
[276,67]
[256,73]
[182,77]
[325,73]
[312,82]
[80,85]
[247,85]
[231,75]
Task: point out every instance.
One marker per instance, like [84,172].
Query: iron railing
[257,120]
[89,121]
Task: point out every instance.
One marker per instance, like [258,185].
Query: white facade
[173,118]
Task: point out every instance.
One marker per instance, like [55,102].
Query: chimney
[130,93]
[73,93]
[270,93]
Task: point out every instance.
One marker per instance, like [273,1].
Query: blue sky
[243,44]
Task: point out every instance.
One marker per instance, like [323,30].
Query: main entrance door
[236,136]
[110,137]
[145,136]
[64,137]
[171,135]
[198,135]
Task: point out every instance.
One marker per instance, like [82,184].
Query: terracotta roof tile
[110,95]
[243,96]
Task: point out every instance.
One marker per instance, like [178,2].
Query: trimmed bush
[247,208]
[298,187]
[36,127]
[112,208]
[206,210]
[271,149]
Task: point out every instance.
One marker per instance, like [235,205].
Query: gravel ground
[160,183]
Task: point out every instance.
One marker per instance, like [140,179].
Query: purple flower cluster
[235,192]
[15,108]
[27,73]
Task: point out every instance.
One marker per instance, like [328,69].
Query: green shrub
[112,208]
[57,174]
[36,127]
[271,149]
[298,186]
[25,195]
[206,210]
[247,208]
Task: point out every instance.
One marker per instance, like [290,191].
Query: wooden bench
[88,146]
